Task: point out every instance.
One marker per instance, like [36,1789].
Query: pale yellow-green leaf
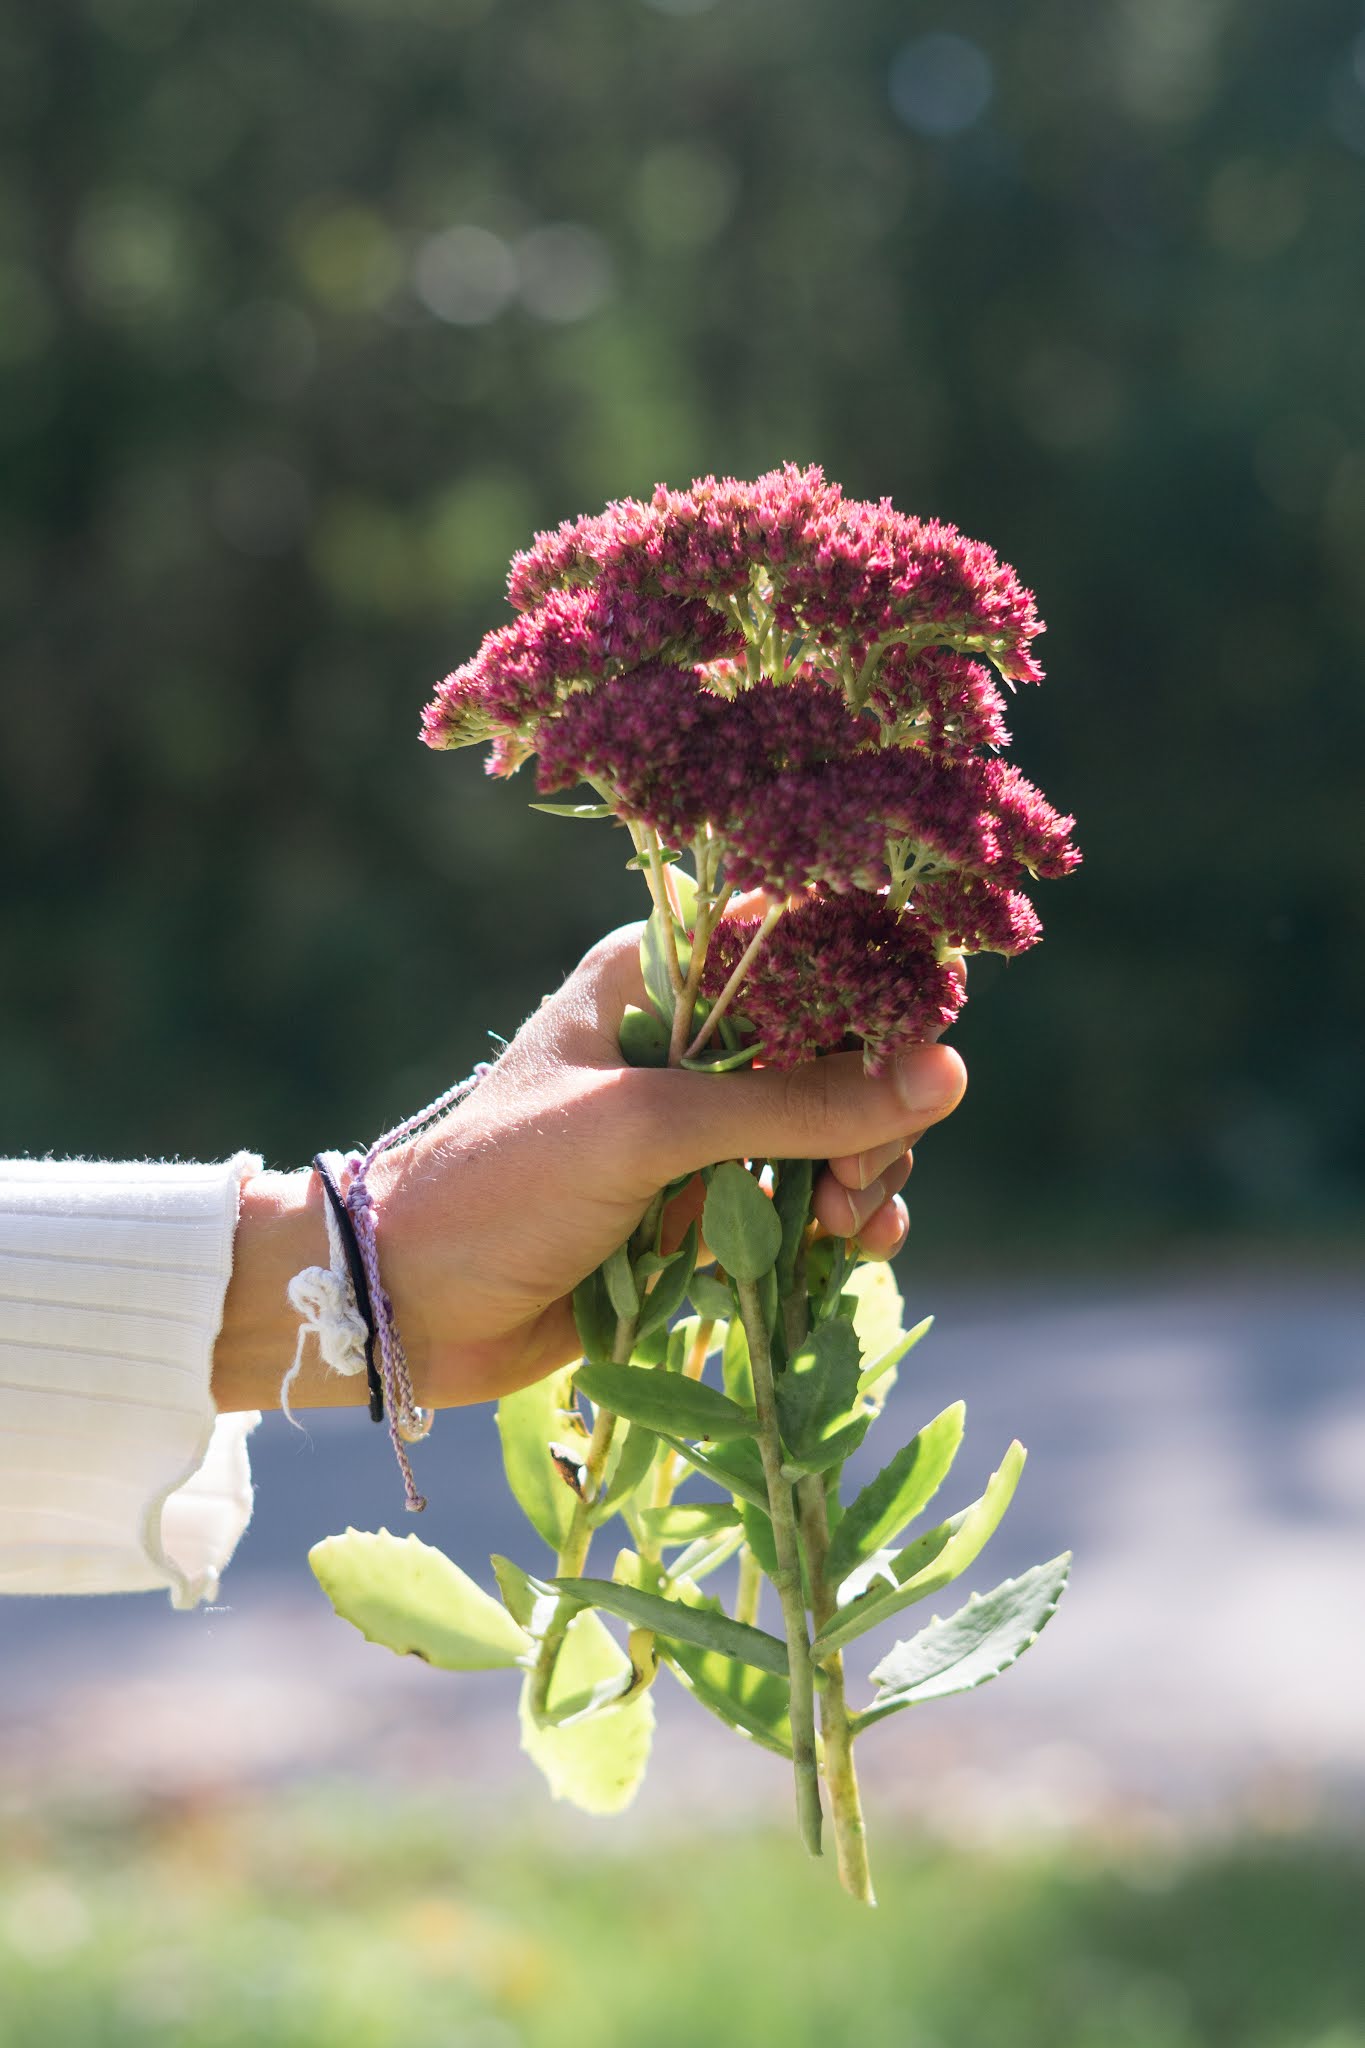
[414,1600]
[596,1764]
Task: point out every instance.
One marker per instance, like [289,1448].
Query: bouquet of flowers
[786,697]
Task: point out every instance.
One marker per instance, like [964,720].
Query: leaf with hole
[970,1647]
[528,1422]
[412,1599]
[704,1626]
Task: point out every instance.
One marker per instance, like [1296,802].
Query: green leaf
[594,1318]
[890,1360]
[793,1179]
[817,1392]
[414,1600]
[643,1038]
[684,1521]
[835,1448]
[974,1530]
[632,1464]
[528,1423]
[700,1625]
[595,1763]
[574,810]
[530,1602]
[711,1298]
[668,857]
[706,1555]
[737,1467]
[977,1643]
[736,1369]
[754,1702]
[720,1063]
[622,1292]
[665,1401]
[900,1491]
[669,1291]
[740,1224]
[758,1534]
[654,967]
[878,1309]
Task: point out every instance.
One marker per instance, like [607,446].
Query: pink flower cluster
[795,675]
[836,969]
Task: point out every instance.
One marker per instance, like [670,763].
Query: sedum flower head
[838,972]
[796,687]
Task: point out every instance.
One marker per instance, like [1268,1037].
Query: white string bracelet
[326,1300]
[345,1307]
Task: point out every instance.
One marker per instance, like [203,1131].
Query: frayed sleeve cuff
[117,1475]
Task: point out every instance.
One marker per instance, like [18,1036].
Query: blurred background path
[1198,1445]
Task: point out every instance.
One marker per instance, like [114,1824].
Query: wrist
[280,1230]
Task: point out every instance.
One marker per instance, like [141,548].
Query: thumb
[822,1109]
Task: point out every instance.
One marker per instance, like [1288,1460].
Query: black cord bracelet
[360,1286]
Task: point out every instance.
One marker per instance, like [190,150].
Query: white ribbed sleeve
[116,1475]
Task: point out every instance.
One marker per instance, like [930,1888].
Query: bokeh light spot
[465,276]
[940,84]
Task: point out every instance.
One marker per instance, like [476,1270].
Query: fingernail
[921,1086]
[865,1203]
[872,1164]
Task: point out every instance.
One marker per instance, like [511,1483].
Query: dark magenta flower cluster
[794,687]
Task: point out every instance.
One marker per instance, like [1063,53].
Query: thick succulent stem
[850,1829]
[786,1543]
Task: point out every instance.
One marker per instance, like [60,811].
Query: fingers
[825,1109]
[860,1169]
[847,1212]
[883,1234]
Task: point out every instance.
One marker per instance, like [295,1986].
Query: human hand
[490,1218]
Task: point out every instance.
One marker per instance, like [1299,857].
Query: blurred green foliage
[312,310]
[325,1918]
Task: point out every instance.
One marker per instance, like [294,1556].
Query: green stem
[750,1587]
[573,1554]
[569,1564]
[788,1577]
[732,986]
[850,1829]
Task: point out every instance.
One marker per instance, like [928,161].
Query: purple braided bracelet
[408,1423]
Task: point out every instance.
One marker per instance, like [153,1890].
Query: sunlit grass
[332,1918]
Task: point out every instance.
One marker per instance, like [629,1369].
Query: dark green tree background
[312,310]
